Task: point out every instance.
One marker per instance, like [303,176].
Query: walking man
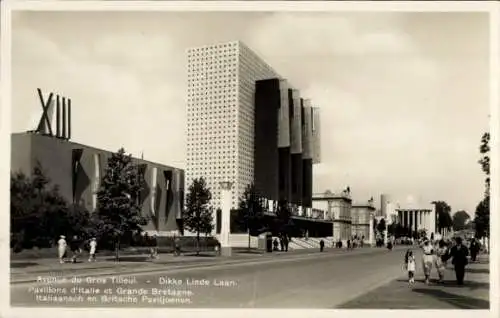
[321,245]
[474,249]
[459,255]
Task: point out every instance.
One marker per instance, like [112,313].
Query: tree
[482,217]
[118,212]
[484,161]
[39,214]
[443,213]
[198,212]
[460,219]
[392,229]
[381,226]
[252,211]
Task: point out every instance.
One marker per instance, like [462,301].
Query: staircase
[299,243]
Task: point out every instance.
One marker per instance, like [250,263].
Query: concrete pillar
[225,218]
[427,223]
[433,219]
[420,216]
[415,226]
[385,234]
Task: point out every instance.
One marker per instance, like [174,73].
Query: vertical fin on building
[76,156]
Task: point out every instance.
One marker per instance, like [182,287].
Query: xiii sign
[62,116]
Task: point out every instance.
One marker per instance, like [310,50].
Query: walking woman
[62,246]
[441,258]
[427,259]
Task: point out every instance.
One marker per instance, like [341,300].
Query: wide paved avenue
[322,280]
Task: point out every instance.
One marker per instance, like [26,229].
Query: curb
[202,264]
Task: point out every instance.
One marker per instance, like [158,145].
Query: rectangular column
[415,227]
[371,233]
[433,219]
[225,229]
[420,216]
[427,225]
[407,216]
[267,101]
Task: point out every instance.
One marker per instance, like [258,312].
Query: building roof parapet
[329,195]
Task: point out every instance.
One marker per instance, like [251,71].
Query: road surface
[322,280]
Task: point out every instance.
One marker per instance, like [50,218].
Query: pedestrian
[349,244]
[474,249]
[285,242]
[459,255]
[441,259]
[321,245]
[275,244]
[177,246]
[92,249]
[75,246]
[62,246]
[410,266]
[153,251]
[427,259]
[282,244]
[389,245]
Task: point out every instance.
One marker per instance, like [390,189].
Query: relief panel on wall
[97,179]
[167,174]
[154,187]
[80,177]
[146,188]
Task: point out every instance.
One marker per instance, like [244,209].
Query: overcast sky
[403,96]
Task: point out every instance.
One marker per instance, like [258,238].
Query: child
[410,266]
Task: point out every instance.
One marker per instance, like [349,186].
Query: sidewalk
[474,294]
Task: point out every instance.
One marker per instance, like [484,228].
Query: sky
[404,97]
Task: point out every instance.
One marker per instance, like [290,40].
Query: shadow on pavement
[462,302]
[126,258]
[468,284]
[199,255]
[477,270]
[22,264]
[451,283]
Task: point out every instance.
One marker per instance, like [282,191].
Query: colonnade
[418,219]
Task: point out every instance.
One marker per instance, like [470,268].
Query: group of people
[283,243]
[352,243]
[436,254]
[76,245]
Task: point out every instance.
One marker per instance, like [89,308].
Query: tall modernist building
[247,125]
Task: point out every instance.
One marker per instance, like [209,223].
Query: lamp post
[225,217]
